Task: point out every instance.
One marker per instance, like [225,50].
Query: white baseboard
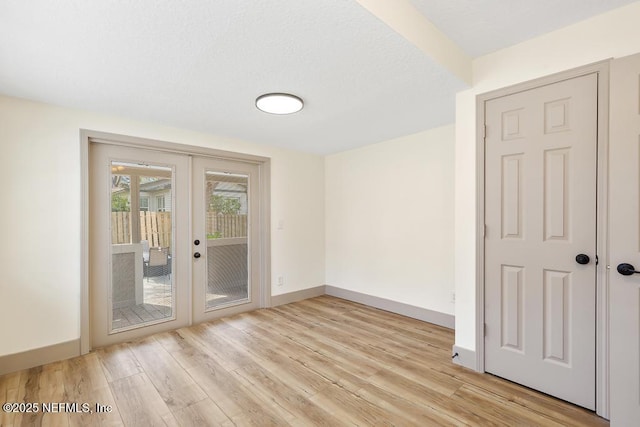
[39,356]
[465,357]
[426,315]
[296,296]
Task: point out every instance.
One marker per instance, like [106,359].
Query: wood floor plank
[103,397]
[231,396]
[410,328]
[386,358]
[85,382]
[510,413]
[118,362]
[403,338]
[138,401]
[277,361]
[211,335]
[9,382]
[353,409]
[175,386]
[28,392]
[261,394]
[401,407]
[272,390]
[323,361]
[171,341]
[337,352]
[336,366]
[9,386]
[533,400]
[425,397]
[202,413]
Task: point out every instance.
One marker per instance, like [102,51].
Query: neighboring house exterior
[155,196]
[231,190]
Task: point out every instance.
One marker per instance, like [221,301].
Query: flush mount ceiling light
[279,103]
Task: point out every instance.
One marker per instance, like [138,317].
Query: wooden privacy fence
[120,227]
[226,226]
[155,227]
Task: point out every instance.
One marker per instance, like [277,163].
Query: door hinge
[484,131]
[597,261]
[485,329]
[484,231]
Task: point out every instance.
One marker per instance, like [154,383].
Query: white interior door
[226,269]
[540,210]
[624,211]
[139,242]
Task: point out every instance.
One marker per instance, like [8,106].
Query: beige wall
[40,249]
[40,217]
[389,219]
[613,34]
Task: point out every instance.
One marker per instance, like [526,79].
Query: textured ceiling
[200,64]
[484,26]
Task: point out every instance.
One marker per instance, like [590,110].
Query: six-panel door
[540,203]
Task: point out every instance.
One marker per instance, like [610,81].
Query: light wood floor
[324,361]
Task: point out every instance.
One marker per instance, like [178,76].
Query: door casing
[602,301]
[264,185]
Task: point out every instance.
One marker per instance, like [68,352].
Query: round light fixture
[279,103]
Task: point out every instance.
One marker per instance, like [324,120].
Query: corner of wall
[464,357]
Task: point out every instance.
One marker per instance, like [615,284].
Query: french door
[173,240]
[225,269]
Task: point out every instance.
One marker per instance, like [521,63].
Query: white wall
[40,215]
[389,219]
[614,34]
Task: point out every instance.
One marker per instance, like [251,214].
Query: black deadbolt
[582,259]
[196,242]
[196,255]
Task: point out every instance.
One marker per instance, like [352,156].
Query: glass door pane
[142,284]
[139,246]
[227,208]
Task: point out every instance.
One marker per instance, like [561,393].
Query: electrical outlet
[280,280]
[453,296]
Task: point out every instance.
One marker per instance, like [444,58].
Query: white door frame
[602,285]
[264,185]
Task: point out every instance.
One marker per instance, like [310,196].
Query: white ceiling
[484,26]
[200,64]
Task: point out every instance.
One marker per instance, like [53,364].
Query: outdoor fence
[225,226]
[155,227]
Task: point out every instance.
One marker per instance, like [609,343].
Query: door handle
[196,255]
[627,269]
[582,259]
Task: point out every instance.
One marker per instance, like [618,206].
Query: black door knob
[627,269]
[196,255]
[196,242]
[582,259]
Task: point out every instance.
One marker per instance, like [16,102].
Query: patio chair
[159,263]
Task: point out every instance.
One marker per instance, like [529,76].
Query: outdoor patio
[157,297]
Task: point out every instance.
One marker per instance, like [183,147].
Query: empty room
[320,213]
